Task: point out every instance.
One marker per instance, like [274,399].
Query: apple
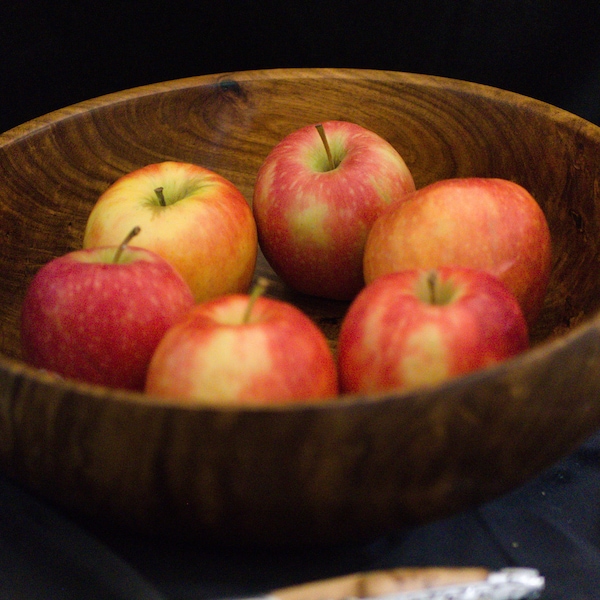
[416,328]
[316,196]
[243,349]
[484,223]
[96,315]
[191,216]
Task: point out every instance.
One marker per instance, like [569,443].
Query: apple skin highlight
[313,220]
[95,321]
[482,223]
[206,230]
[214,357]
[394,337]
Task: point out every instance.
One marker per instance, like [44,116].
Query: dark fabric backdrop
[56,53]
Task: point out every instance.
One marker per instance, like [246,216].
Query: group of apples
[440,281]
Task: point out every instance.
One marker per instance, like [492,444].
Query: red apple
[316,198]
[483,223]
[194,218]
[96,315]
[417,328]
[241,350]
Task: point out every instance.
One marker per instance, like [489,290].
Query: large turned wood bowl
[354,467]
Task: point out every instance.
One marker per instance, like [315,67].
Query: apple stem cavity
[258,290]
[159,191]
[434,291]
[124,243]
[321,131]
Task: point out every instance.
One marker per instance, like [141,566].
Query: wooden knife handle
[377,583]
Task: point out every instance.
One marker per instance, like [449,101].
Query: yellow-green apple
[96,315]
[316,196]
[483,223]
[243,349]
[417,328]
[193,217]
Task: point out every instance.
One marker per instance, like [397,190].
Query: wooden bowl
[350,469]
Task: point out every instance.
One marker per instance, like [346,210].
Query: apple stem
[124,243]
[257,291]
[159,191]
[321,131]
[431,283]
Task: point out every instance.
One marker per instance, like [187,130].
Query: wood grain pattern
[349,469]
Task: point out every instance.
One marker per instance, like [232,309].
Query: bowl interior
[54,168]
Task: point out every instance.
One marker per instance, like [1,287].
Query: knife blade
[420,583]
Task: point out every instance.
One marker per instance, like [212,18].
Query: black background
[53,54]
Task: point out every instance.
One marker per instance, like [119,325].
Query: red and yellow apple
[97,315]
[243,349]
[316,196]
[193,217]
[483,223]
[417,328]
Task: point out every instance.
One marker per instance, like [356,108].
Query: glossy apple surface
[205,229]
[483,223]
[417,328]
[313,219]
[87,318]
[218,356]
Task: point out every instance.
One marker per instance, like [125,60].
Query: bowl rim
[318,73]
